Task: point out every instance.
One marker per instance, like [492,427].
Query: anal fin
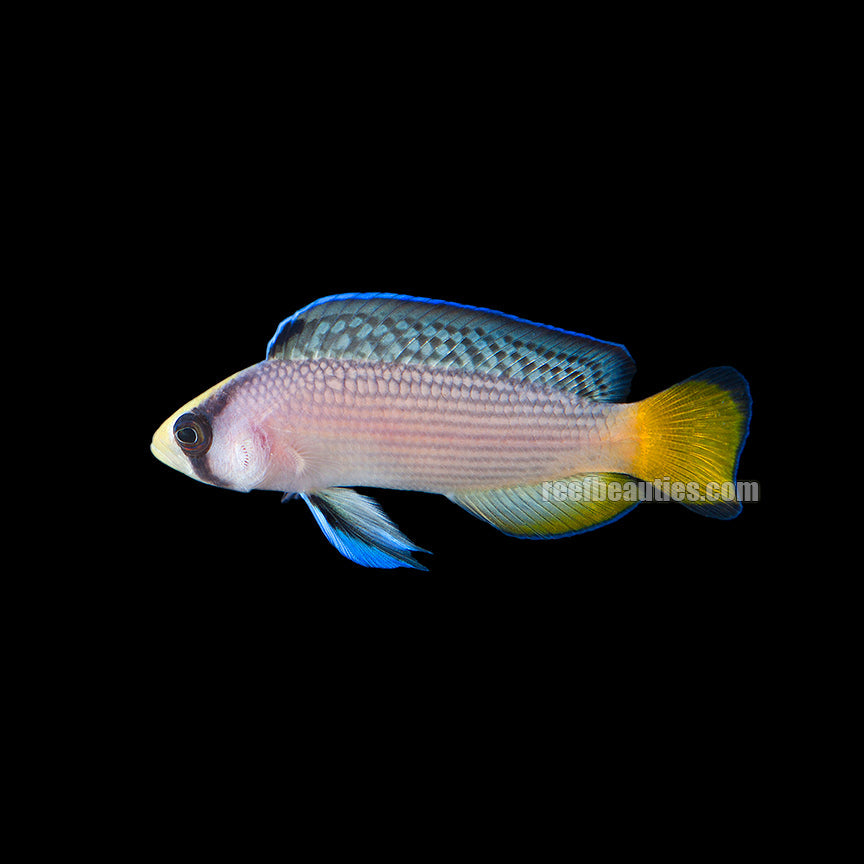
[360,530]
[554,509]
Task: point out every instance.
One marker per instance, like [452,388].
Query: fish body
[390,391]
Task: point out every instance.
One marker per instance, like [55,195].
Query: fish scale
[383,421]
[396,328]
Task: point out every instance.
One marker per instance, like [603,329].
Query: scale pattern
[393,328]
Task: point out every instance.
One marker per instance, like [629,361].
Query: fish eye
[193,434]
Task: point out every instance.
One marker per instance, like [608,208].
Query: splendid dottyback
[522,424]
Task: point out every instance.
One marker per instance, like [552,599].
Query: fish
[522,424]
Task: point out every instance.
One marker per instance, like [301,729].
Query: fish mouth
[163,448]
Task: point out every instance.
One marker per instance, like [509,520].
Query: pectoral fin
[359,529]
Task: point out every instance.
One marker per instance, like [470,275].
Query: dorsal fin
[397,328]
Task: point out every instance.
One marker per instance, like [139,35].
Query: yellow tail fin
[692,434]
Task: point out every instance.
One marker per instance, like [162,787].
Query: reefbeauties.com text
[661,489]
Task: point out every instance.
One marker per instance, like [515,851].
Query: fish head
[217,437]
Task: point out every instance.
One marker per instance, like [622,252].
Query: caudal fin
[692,433]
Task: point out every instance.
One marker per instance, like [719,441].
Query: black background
[651,235]
[645,220]
[666,264]
[633,203]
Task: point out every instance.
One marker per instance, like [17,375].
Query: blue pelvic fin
[360,530]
